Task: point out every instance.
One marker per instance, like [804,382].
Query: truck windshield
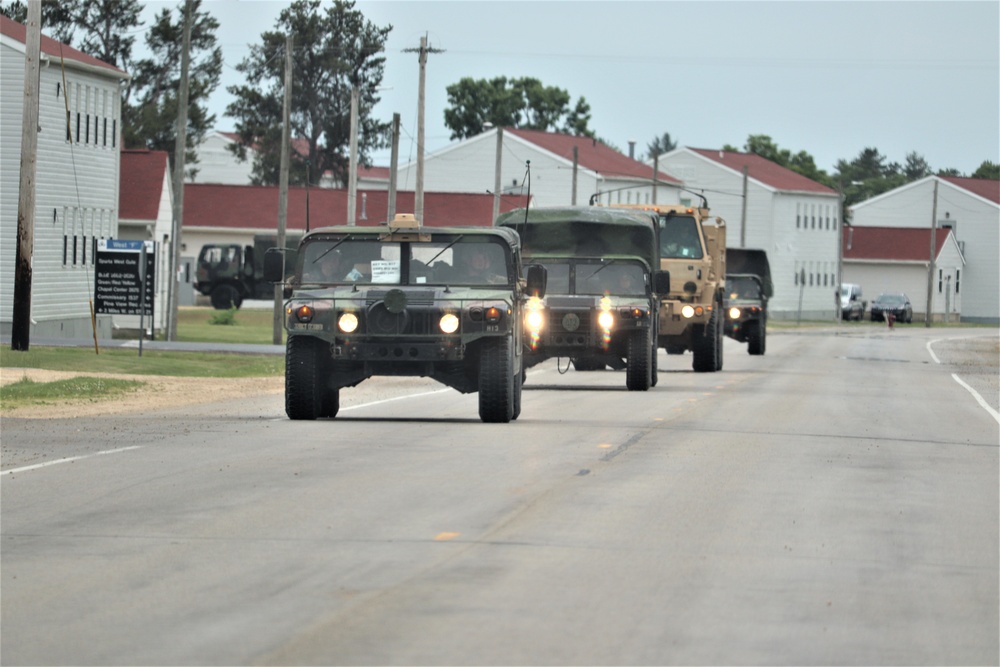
[679,237]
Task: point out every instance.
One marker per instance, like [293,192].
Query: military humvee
[601,305]
[693,250]
[405,300]
[748,287]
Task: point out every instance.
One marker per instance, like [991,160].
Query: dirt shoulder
[157,393]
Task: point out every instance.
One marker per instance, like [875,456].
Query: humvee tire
[638,372]
[708,346]
[496,381]
[756,338]
[303,392]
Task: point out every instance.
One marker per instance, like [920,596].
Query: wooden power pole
[418,195]
[180,148]
[286,147]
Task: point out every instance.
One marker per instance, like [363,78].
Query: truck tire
[225,297]
[654,370]
[756,337]
[518,386]
[707,346]
[304,390]
[638,371]
[496,382]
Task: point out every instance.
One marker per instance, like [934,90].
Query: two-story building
[76,182]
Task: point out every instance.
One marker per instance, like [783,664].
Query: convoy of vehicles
[748,288]
[230,273]
[405,300]
[693,251]
[601,304]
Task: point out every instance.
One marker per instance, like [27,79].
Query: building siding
[76,190]
[976,223]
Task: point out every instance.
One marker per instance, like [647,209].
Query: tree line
[336,49]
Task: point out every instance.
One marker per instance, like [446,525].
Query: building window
[958,275]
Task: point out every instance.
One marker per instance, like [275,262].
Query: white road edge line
[11,471]
[975,394]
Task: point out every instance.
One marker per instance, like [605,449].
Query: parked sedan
[896,304]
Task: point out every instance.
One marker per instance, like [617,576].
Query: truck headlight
[687,311]
[734,313]
[606,319]
[449,323]
[348,322]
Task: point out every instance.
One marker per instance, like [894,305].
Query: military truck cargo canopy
[750,261]
[584,231]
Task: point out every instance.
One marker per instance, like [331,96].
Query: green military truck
[601,303]
[229,273]
[748,288]
[405,300]
[693,251]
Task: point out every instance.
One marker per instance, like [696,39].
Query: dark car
[896,304]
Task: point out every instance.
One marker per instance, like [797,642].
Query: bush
[224,317]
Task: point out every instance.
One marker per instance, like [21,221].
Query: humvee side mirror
[537,280]
[274,265]
[661,282]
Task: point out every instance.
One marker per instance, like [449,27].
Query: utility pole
[180,148]
[743,216]
[931,263]
[418,196]
[393,166]
[656,172]
[20,334]
[286,141]
[497,174]
[352,169]
[576,171]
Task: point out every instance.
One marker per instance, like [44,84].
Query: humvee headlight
[687,311]
[534,320]
[734,313]
[606,319]
[449,323]
[348,322]
[304,314]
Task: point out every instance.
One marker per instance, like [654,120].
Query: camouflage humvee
[601,301]
[405,300]
[748,287]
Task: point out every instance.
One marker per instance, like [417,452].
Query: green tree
[660,145]
[987,170]
[108,29]
[57,17]
[916,167]
[523,103]
[335,49]
[150,122]
[801,162]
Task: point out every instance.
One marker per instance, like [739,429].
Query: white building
[795,219]
[76,184]
[970,207]
[217,164]
[897,259]
[560,165]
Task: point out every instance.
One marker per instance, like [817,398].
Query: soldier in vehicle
[475,265]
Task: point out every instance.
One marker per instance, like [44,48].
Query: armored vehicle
[693,251]
[405,300]
[230,273]
[748,288]
[600,307]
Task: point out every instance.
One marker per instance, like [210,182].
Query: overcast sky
[829,78]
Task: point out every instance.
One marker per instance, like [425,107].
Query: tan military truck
[693,251]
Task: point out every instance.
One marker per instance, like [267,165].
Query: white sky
[829,78]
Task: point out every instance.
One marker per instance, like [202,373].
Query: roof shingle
[765,171]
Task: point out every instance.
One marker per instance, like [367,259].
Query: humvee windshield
[450,260]
[593,278]
[679,237]
[742,288]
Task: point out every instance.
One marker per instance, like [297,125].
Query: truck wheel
[654,372]
[637,373]
[707,346]
[304,391]
[225,297]
[756,337]
[518,385]
[496,382]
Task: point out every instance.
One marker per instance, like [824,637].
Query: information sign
[119,277]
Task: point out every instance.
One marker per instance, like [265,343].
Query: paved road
[834,502]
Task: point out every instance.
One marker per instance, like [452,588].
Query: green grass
[28,392]
[152,362]
[244,326]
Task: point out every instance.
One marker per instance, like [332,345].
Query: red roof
[764,171]
[591,154]
[18,32]
[896,244]
[987,189]
[142,183]
[256,207]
